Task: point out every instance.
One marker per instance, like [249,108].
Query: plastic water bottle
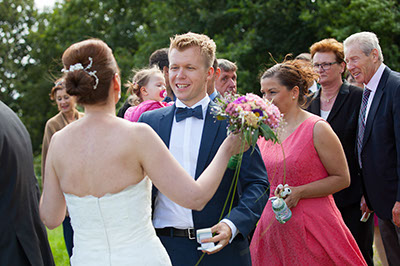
[281,210]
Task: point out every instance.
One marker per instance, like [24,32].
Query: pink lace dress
[316,233]
[133,113]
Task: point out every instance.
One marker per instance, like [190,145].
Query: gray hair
[226,65]
[367,41]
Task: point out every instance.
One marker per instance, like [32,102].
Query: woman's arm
[52,203]
[172,180]
[332,156]
[48,133]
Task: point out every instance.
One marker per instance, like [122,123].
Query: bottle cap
[278,204]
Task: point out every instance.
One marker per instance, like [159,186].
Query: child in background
[148,85]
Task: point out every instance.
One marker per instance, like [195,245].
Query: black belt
[173,232]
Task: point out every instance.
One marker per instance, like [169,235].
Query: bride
[100,166]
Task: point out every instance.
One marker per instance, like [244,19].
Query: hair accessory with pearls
[78,66]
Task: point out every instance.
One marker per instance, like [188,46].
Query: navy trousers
[68,235]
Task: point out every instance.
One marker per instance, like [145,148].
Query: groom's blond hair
[207,46]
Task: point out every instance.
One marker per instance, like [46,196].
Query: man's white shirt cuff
[233,228]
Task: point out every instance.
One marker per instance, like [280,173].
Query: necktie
[361,122]
[183,113]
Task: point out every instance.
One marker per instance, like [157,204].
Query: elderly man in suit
[193,136]
[378,136]
[23,238]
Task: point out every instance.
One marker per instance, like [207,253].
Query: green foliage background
[245,31]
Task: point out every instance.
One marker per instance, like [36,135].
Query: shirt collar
[203,102]
[373,83]
[213,95]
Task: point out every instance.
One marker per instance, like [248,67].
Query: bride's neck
[107,108]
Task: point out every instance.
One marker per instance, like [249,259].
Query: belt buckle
[190,235]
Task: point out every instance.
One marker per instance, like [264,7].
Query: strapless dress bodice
[115,229]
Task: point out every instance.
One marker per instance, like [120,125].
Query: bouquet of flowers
[253,117]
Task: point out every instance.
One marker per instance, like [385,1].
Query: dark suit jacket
[121,112]
[249,198]
[343,119]
[23,238]
[380,154]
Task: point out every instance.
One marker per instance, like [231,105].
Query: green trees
[245,31]
[16,18]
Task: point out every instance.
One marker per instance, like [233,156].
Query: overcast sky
[40,4]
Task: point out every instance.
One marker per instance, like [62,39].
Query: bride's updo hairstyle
[291,73]
[89,66]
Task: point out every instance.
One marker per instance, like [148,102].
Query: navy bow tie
[183,113]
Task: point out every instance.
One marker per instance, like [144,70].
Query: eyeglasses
[325,66]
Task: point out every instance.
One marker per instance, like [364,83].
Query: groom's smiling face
[188,74]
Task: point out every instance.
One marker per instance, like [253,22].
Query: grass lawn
[60,254]
[57,245]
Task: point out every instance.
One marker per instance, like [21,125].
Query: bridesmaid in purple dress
[314,166]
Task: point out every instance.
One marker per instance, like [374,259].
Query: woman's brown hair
[96,57]
[291,73]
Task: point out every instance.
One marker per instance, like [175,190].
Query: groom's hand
[222,236]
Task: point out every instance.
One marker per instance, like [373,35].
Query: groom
[193,137]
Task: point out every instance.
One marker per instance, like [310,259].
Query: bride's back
[96,163]
[96,155]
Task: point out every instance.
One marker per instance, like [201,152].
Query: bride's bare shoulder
[138,130]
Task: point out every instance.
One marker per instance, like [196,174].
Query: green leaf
[247,136]
[267,133]
[254,139]
[220,117]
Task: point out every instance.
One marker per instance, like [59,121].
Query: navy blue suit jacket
[380,154]
[253,187]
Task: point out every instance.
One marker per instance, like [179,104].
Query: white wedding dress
[115,229]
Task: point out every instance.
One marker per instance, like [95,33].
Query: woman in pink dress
[148,85]
[312,162]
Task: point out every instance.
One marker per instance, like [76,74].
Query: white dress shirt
[314,87]
[325,114]
[184,146]
[372,86]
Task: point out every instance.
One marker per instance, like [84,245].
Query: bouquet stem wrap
[233,161]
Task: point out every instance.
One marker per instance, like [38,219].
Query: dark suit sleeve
[144,118]
[253,187]
[396,125]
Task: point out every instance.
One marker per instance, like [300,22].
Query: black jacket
[343,119]
[23,238]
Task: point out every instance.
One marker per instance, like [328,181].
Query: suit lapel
[340,99]
[315,108]
[210,130]
[375,103]
[166,124]
[164,131]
